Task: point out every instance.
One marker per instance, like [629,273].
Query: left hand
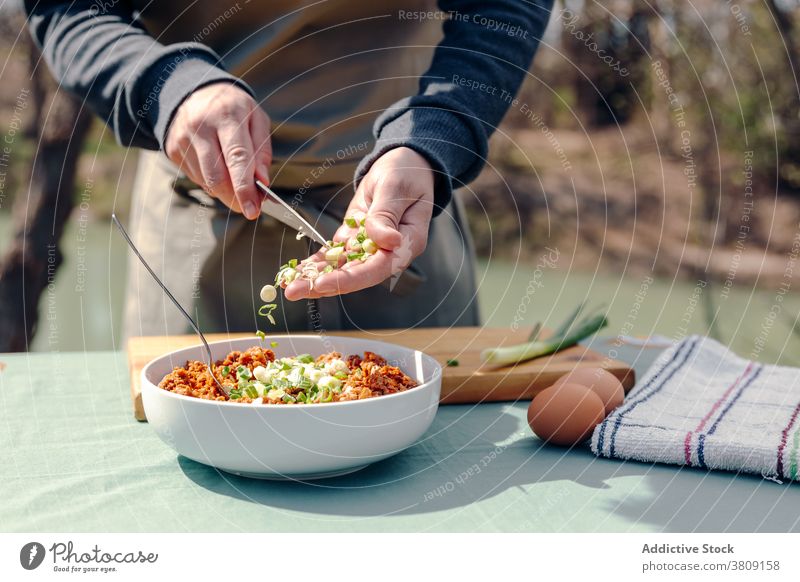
[396,196]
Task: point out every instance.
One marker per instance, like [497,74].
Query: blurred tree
[607,44]
[30,263]
[788,111]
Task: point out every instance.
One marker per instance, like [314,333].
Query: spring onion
[266,311]
[569,333]
[358,248]
[354,245]
[332,255]
[268,293]
[369,246]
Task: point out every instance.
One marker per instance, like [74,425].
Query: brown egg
[600,381]
[565,414]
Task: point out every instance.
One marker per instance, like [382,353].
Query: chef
[381,107]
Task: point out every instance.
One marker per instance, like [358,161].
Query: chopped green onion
[369,246]
[243,372]
[288,398]
[225,371]
[266,311]
[354,245]
[261,335]
[355,256]
[292,264]
[251,391]
[351,222]
[273,344]
[452,363]
[267,308]
[305,359]
[333,254]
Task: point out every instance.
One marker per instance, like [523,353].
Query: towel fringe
[772,478]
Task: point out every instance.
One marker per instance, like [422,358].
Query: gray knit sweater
[482,59]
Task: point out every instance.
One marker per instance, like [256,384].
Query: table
[74,459]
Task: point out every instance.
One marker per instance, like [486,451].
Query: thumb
[384,215]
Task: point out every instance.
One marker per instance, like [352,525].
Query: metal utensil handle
[188,317]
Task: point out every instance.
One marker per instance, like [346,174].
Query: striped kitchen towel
[701,405]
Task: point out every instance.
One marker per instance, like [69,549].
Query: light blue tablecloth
[74,459]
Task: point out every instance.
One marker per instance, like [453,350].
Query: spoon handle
[210,360]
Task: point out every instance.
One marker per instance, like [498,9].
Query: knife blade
[274,206]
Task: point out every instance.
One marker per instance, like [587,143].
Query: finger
[414,230]
[190,166]
[215,176]
[180,151]
[262,144]
[237,149]
[388,205]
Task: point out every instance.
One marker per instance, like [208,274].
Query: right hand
[220,138]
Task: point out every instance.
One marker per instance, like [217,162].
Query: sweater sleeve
[102,53]
[475,72]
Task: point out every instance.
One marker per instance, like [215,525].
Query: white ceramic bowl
[276,441]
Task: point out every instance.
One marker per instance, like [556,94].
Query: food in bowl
[293,442]
[256,376]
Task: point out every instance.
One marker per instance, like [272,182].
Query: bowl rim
[147,384]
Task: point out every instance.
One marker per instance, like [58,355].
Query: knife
[274,206]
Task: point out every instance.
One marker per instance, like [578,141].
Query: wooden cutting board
[469,382]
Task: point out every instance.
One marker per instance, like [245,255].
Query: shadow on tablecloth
[470,453]
[475,454]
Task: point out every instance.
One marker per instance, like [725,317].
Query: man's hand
[396,196]
[220,138]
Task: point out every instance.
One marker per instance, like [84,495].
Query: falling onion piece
[268,293]
[266,311]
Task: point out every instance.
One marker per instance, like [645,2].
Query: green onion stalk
[569,333]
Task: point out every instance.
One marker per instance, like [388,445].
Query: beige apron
[323,73]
